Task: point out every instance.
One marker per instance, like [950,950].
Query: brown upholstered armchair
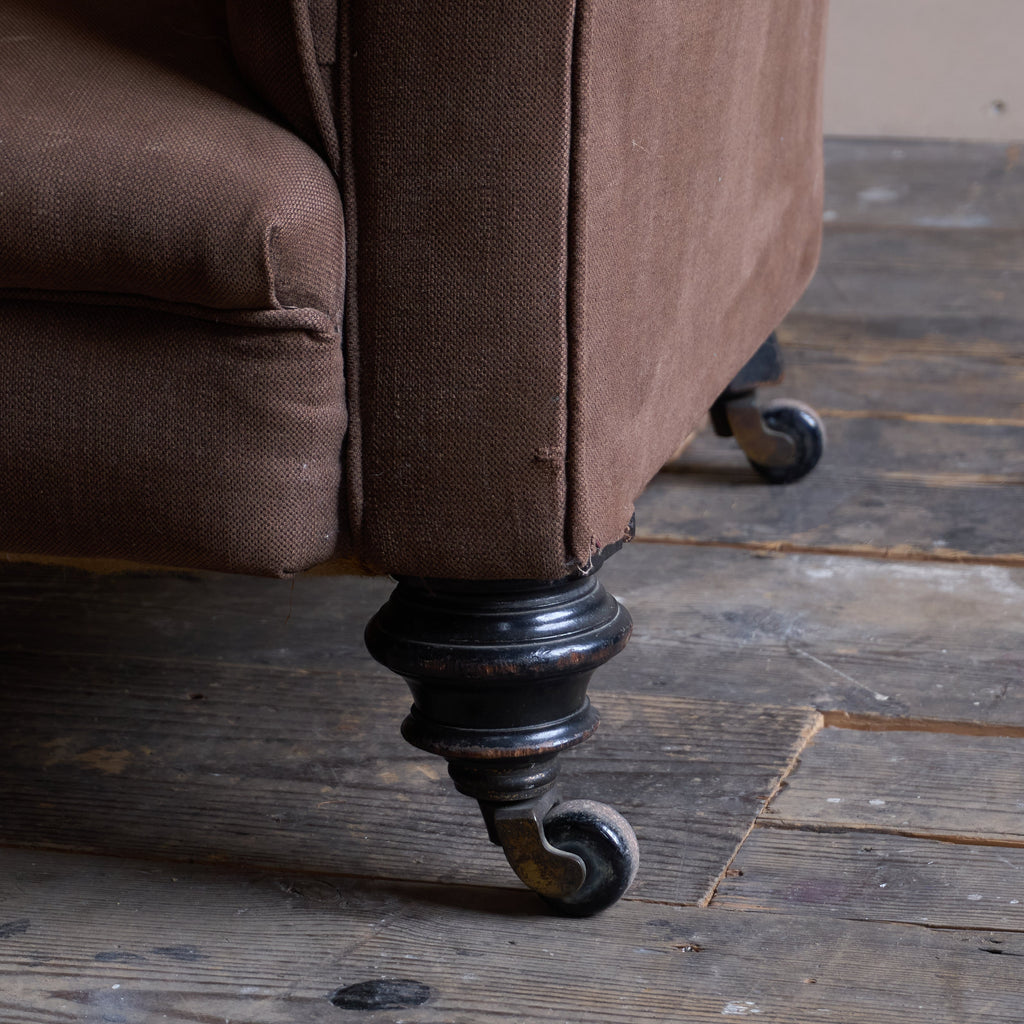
[428,288]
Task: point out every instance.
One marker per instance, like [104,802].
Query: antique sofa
[427,288]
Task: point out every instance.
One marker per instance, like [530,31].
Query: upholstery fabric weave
[698,197]
[172,273]
[142,435]
[122,177]
[570,223]
[461,122]
[544,235]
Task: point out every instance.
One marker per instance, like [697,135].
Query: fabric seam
[575,292]
[351,500]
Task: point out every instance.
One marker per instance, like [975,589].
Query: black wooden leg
[783,440]
[499,674]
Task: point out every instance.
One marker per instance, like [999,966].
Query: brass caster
[580,856]
[783,440]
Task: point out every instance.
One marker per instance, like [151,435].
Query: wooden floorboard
[92,940]
[914,783]
[870,876]
[861,635]
[881,275]
[270,767]
[951,492]
[924,184]
[207,814]
[309,624]
[937,372]
[670,964]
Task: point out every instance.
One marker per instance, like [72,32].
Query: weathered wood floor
[207,815]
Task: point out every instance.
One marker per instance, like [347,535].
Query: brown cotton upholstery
[698,188]
[237,475]
[172,268]
[543,236]
[580,218]
[123,177]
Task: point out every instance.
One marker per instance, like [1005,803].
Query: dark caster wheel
[802,425]
[606,844]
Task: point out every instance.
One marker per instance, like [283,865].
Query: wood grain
[924,487]
[272,767]
[125,941]
[846,634]
[695,966]
[308,624]
[877,877]
[943,370]
[939,274]
[914,783]
[936,185]
[859,635]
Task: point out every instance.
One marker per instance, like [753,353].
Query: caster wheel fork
[579,856]
[782,440]
[806,433]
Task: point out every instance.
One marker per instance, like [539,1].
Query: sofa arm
[574,221]
[288,50]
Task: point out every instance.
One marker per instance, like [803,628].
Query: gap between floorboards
[897,553]
[953,838]
[815,724]
[866,722]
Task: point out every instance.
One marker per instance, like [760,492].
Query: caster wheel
[606,844]
[802,425]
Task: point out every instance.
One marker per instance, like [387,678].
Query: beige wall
[927,68]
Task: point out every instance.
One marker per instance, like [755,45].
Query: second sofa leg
[783,440]
[499,673]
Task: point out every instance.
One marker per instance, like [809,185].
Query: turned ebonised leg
[783,440]
[499,674]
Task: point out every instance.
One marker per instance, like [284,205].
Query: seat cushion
[122,176]
[172,267]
